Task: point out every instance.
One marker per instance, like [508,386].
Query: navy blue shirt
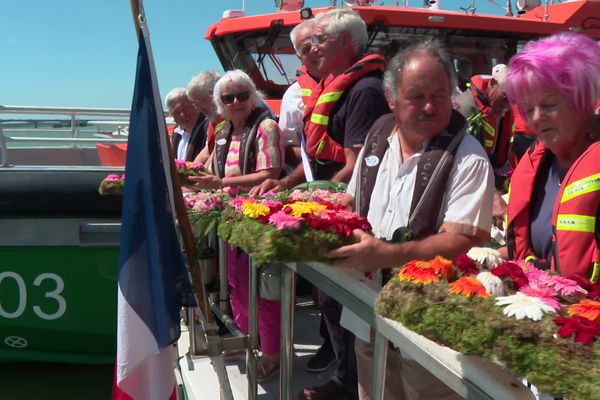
[354,113]
[544,197]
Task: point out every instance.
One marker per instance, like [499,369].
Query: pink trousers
[269,311]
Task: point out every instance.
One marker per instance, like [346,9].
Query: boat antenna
[547,11]
[471,9]
[509,11]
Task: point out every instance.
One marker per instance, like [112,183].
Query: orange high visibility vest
[319,108]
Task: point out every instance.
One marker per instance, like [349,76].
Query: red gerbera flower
[513,272]
[465,264]
[585,330]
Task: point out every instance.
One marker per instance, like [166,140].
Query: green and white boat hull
[58,278]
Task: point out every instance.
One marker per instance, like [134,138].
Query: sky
[82,53]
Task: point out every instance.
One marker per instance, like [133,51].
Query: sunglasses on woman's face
[228,98]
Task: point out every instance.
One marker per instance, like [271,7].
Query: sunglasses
[228,98]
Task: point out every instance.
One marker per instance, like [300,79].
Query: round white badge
[221,142]
[371,161]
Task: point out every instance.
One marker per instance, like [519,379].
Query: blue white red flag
[152,275]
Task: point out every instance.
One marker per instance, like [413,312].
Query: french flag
[153,281]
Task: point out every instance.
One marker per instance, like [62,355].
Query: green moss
[265,243]
[476,326]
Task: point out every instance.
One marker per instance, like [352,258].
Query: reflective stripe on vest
[305,92]
[319,119]
[489,128]
[574,222]
[595,273]
[586,185]
[330,97]
[219,126]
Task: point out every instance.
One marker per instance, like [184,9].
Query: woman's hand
[206,181]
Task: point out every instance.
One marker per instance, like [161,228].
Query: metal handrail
[75,111]
[470,377]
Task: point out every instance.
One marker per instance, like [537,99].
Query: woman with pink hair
[554,206]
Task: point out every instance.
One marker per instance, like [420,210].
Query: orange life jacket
[307,84]
[576,234]
[319,107]
[496,144]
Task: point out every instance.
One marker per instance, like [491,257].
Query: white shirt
[466,207]
[291,115]
[183,143]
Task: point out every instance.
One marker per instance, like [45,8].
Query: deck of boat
[201,380]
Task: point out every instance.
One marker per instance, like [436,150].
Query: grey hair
[202,84]
[345,19]
[306,25]
[432,47]
[174,96]
[241,78]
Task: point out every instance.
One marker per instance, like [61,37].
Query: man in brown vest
[393,174]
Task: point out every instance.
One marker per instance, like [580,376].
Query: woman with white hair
[248,150]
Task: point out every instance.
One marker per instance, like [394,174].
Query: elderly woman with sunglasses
[554,204]
[248,150]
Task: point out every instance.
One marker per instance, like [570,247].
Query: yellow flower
[254,210]
[589,309]
[300,208]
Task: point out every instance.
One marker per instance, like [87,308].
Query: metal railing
[38,126]
[470,377]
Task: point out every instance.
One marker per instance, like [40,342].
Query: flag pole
[174,186]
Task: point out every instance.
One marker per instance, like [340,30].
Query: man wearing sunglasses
[491,121]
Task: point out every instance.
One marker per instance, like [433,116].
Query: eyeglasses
[304,49]
[322,38]
[228,98]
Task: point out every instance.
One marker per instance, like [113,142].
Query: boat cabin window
[269,58]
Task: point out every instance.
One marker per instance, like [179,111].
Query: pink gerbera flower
[239,201]
[545,294]
[112,177]
[564,286]
[281,220]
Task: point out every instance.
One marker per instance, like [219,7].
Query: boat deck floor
[201,381]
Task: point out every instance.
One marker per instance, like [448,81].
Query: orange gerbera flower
[442,267]
[589,309]
[468,286]
[419,272]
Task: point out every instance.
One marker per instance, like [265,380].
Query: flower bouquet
[186,169]
[300,227]
[205,208]
[539,326]
[112,184]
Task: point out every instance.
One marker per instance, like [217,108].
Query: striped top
[269,149]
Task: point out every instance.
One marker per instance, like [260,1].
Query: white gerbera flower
[522,306]
[485,256]
[492,284]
